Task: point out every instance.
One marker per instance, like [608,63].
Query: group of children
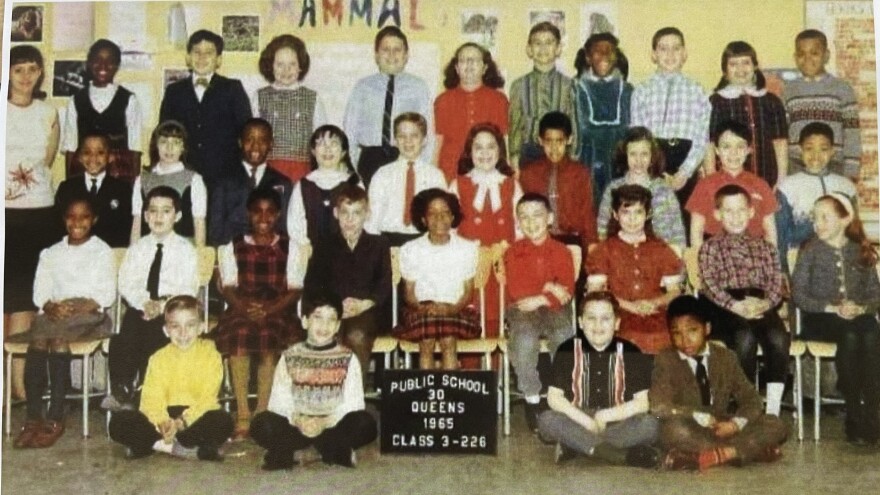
[300,209]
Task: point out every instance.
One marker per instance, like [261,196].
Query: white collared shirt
[101,99]
[65,271]
[99,179]
[200,90]
[178,274]
[387,194]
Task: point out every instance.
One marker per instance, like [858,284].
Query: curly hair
[491,78]
[420,202]
[635,135]
[466,162]
[267,56]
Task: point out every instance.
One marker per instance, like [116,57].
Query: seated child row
[741,277]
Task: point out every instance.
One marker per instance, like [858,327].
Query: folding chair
[577,258]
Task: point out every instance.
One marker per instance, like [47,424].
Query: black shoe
[209,453]
[643,456]
[564,453]
[341,456]
[278,461]
[610,454]
[132,454]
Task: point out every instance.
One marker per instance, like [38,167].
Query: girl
[104,106]
[438,272]
[260,281]
[741,96]
[292,109]
[602,96]
[167,156]
[75,282]
[641,270]
[473,95]
[310,213]
[835,285]
[640,155]
[488,194]
[31,222]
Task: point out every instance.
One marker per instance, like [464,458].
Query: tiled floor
[523,465]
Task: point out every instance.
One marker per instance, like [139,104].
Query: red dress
[635,272]
[456,111]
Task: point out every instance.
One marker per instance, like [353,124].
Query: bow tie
[202,81]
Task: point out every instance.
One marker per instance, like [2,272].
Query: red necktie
[410,189]
[619,376]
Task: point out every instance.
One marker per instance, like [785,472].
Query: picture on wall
[173,75]
[70,77]
[480,27]
[27,23]
[241,33]
[598,17]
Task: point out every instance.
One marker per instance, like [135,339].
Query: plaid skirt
[417,326]
[237,335]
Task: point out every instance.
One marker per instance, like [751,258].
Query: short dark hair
[94,134]
[23,54]
[205,35]
[343,141]
[533,197]
[555,120]
[814,128]
[600,296]
[389,31]
[318,299]
[168,128]
[257,122]
[730,190]
[183,303]
[811,34]
[84,198]
[163,192]
[349,193]
[628,195]
[686,305]
[466,161]
[580,59]
[420,202]
[261,194]
[492,78]
[267,56]
[666,31]
[737,128]
[414,118]
[545,27]
[740,49]
[105,44]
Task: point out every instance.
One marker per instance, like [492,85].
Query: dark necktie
[386,115]
[409,193]
[94,189]
[703,381]
[153,276]
[253,178]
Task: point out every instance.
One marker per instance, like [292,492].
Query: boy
[317,395]
[565,182]
[213,108]
[797,193]
[743,284]
[591,413]
[112,195]
[377,99]
[540,284]
[542,90]
[179,413]
[159,265]
[693,403]
[819,96]
[395,185]
[228,212]
[356,265]
[676,110]
[732,145]
[103,107]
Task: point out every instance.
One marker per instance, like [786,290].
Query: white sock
[533,399]
[161,446]
[774,397]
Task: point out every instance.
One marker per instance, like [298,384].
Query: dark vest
[111,121]
[319,209]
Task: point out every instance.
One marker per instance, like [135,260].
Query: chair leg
[86,389]
[799,397]
[506,365]
[8,391]
[817,398]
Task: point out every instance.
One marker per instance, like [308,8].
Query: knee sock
[35,371]
[240,367]
[715,457]
[59,374]
[774,397]
[265,372]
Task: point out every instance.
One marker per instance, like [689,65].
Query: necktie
[703,381]
[386,115]
[666,104]
[253,178]
[619,376]
[202,81]
[410,191]
[94,189]
[153,276]
[553,196]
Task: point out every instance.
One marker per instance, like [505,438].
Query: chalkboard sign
[439,412]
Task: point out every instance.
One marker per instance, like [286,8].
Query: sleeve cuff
[740,422]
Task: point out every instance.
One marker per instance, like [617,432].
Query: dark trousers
[130,350]
[857,361]
[685,434]
[134,430]
[274,433]
[675,151]
[38,367]
[742,336]
[373,157]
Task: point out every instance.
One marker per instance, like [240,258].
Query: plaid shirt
[685,117]
[739,262]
